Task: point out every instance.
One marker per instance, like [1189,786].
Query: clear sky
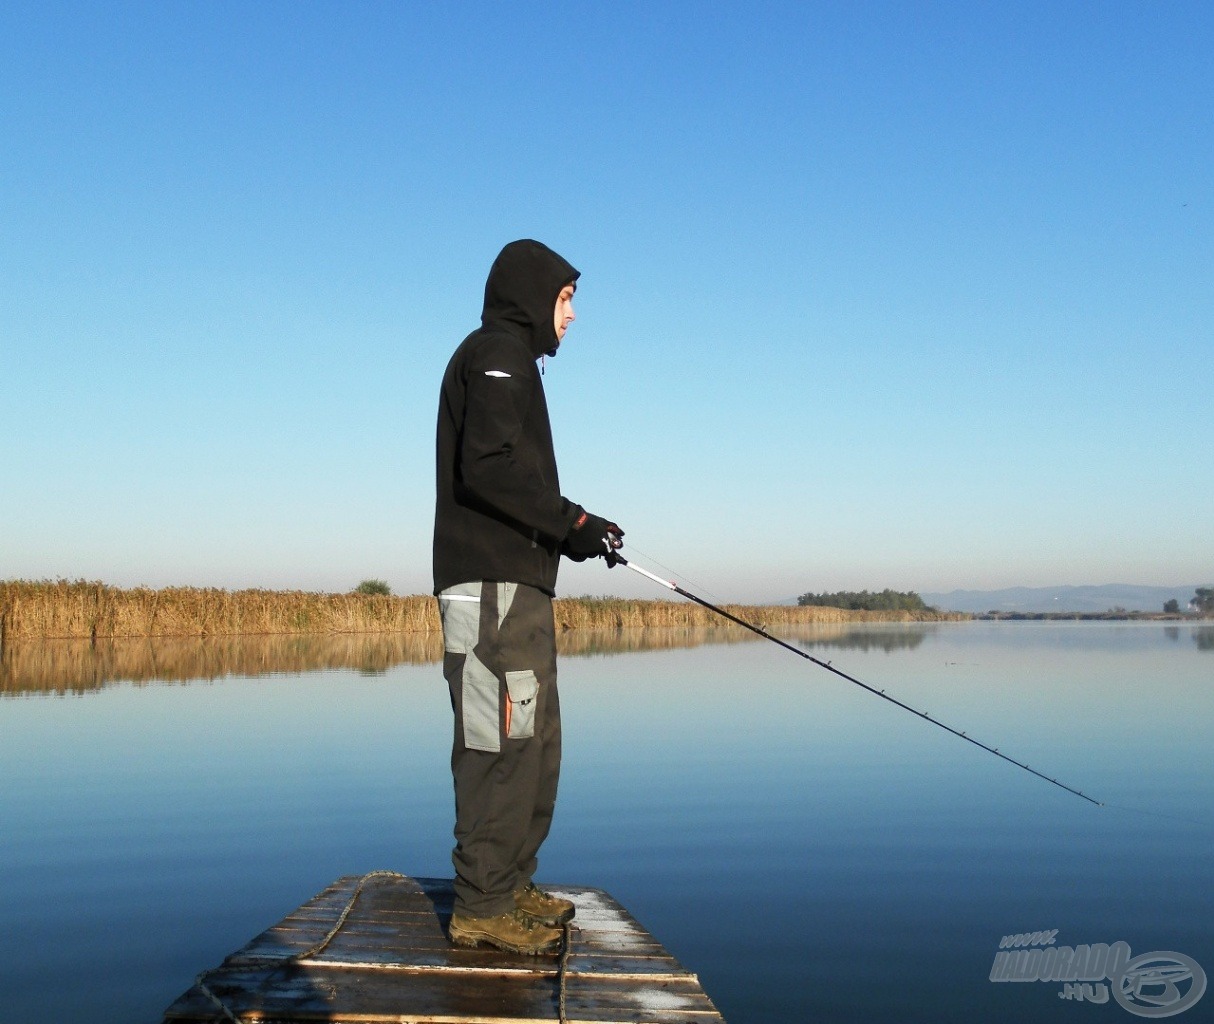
[916,295]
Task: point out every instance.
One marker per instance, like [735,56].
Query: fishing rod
[615,558]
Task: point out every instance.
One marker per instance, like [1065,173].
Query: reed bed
[82,610]
[621,613]
[92,611]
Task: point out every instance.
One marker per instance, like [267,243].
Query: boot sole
[470,940]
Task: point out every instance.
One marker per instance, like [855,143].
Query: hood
[523,284]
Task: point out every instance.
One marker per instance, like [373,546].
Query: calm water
[810,851]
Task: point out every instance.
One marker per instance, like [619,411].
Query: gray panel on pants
[481,716]
[459,607]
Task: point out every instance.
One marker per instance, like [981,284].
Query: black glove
[591,536]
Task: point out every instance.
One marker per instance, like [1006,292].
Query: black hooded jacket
[499,514]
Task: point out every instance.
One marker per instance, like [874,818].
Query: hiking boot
[513,931]
[543,907]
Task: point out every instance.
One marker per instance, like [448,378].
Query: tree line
[1202,603]
[863,600]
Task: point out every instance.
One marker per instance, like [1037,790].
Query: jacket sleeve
[496,465]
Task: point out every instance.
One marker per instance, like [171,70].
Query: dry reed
[92,611]
[620,613]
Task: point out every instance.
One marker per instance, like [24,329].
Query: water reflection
[869,639]
[1203,636]
[80,666]
[61,667]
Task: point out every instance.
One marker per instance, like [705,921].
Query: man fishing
[500,528]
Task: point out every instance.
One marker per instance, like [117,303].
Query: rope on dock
[294,957]
[345,913]
[562,970]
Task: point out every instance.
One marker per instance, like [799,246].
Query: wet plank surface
[391,961]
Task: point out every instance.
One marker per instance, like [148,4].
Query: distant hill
[1062,599]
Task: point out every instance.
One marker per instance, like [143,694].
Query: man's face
[563,316]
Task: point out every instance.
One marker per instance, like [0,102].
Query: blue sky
[907,295]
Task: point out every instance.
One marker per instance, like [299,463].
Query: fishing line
[675,575]
[615,557]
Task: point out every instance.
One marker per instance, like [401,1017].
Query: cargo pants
[499,658]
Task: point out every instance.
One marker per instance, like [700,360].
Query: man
[500,527]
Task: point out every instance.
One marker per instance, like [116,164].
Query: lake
[810,851]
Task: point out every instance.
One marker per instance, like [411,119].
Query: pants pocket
[523,690]
[480,688]
[459,608]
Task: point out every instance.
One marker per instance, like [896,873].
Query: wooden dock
[388,959]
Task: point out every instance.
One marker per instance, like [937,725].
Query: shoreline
[1123,616]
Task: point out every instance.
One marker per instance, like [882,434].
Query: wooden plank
[391,962]
[306,994]
[373,956]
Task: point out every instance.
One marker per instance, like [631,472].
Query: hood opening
[522,289]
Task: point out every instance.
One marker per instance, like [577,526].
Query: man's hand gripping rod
[614,558]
